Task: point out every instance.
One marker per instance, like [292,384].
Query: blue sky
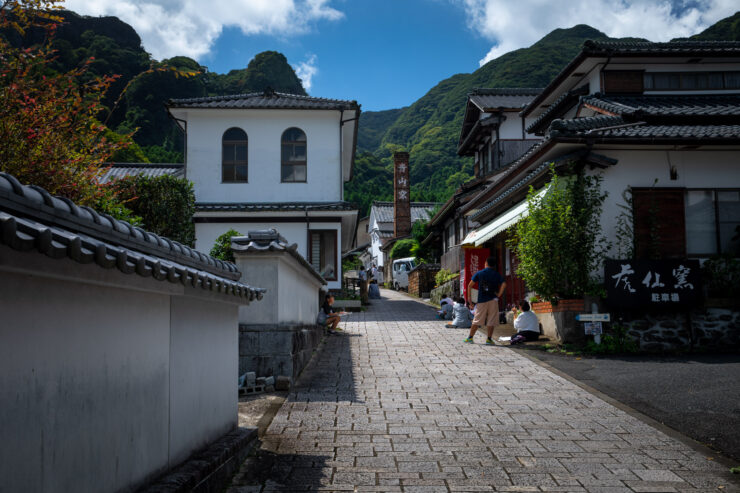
[385,53]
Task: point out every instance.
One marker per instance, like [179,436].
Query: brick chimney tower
[401,195]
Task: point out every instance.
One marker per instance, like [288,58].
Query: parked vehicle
[400,272]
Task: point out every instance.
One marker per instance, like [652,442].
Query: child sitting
[462,316]
[526,324]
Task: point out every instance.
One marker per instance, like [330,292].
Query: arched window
[293,152]
[234,156]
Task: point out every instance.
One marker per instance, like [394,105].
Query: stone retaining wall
[270,350]
[421,279]
[451,288]
[716,328]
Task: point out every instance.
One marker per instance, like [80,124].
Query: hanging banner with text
[662,284]
[474,260]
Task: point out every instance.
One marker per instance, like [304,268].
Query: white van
[400,272]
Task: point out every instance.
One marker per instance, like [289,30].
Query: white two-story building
[273,160]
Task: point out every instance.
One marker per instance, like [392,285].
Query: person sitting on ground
[526,324]
[327,315]
[445,313]
[462,316]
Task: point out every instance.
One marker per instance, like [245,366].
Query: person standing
[363,286]
[490,288]
[374,272]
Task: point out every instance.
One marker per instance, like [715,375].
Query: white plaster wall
[206,234]
[204,367]
[292,295]
[636,168]
[511,127]
[264,129]
[375,244]
[83,384]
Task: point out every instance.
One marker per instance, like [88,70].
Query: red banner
[474,260]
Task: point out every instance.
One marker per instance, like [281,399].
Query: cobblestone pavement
[399,403]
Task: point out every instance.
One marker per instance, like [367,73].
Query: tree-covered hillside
[116,50]
[727,29]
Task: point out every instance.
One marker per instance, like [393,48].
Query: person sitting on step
[526,324]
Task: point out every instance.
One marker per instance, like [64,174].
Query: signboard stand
[592,322]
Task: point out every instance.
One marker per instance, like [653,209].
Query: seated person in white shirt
[526,324]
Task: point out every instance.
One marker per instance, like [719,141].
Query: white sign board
[592,328]
[593,317]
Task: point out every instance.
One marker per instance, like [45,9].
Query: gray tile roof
[557,108]
[667,105]
[591,48]
[615,128]
[616,48]
[264,100]
[272,206]
[122,170]
[513,97]
[268,241]
[419,210]
[32,219]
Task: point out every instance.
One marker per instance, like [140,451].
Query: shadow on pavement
[268,471]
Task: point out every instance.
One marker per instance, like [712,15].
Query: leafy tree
[560,243]
[419,231]
[222,248]
[49,132]
[165,204]
[403,248]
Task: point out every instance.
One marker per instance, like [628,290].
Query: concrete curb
[677,435]
[210,469]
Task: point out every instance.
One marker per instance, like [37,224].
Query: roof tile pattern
[264,100]
[616,127]
[33,219]
[273,206]
[492,99]
[673,105]
[613,48]
[122,170]
[419,211]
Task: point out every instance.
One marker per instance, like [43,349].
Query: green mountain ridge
[428,129]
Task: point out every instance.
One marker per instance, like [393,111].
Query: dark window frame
[234,163]
[335,234]
[717,232]
[293,163]
[685,77]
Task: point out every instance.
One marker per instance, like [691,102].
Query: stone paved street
[399,403]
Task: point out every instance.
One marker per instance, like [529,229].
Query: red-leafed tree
[50,129]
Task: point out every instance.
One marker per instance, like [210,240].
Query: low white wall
[292,294]
[106,379]
[206,234]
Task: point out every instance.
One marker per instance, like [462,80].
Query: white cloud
[512,25]
[190,27]
[306,70]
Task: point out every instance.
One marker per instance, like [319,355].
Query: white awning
[484,233]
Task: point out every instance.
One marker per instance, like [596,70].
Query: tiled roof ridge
[584,123]
[35,202]
[667,104]
[556,106]
[274,94]
[505,91]
[146,165]
[272,241]
[599,45]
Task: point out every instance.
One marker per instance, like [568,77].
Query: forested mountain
[116,49]
[429,128]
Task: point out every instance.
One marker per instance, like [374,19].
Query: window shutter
[660,229]
[316,251]
[623,81]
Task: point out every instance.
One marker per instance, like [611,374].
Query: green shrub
[722,277]
[165,204]
[402,249]
[443,276]
[222,248]
[560,243]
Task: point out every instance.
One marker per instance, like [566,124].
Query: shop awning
[484,233]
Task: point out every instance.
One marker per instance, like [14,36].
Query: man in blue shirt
[490,288]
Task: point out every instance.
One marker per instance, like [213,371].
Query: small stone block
[260,380]
[282,383]
[269,380]
[251,379]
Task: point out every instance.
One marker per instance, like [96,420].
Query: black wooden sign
[673,284]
